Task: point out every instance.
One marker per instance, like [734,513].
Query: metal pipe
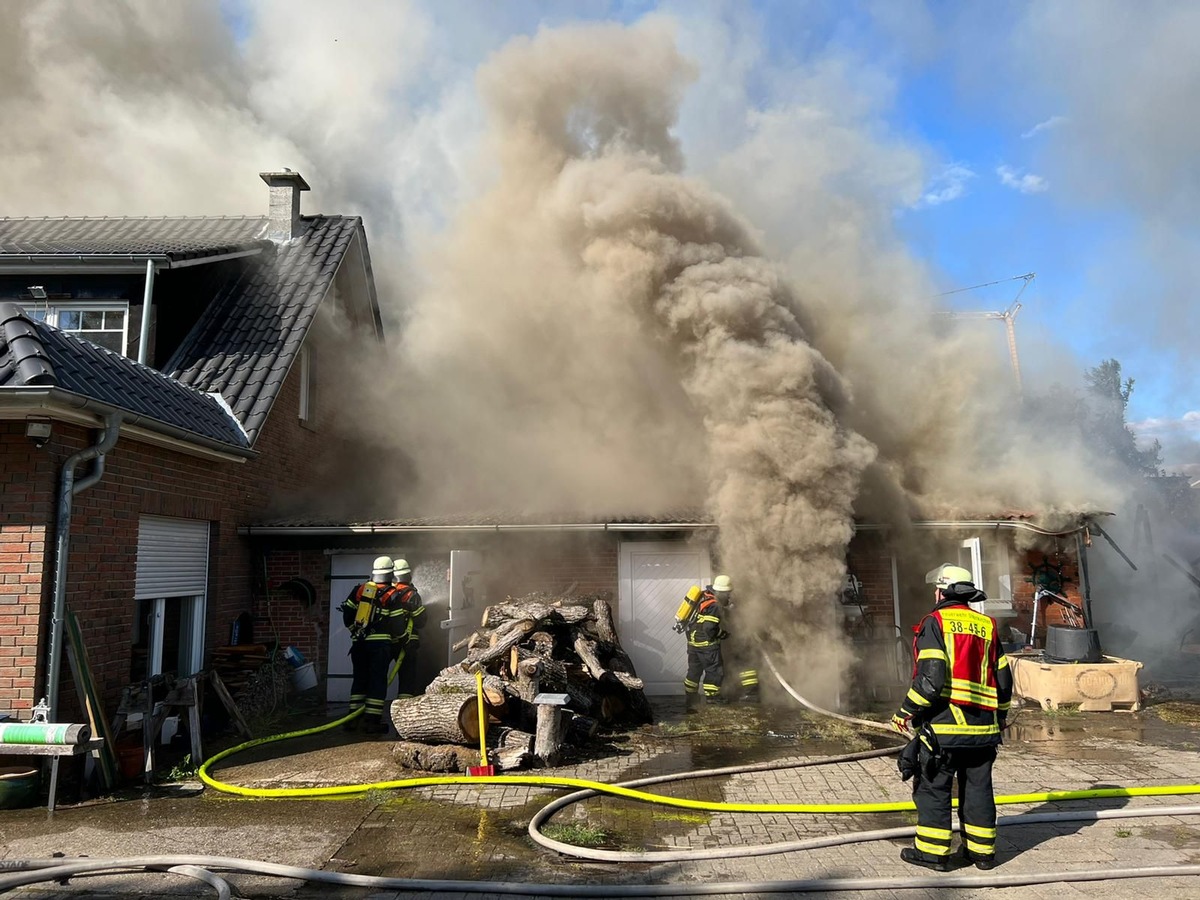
[62,539]
[147,297]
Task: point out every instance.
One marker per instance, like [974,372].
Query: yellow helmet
[382,566]
[946,574]
[722,584]
[402,569]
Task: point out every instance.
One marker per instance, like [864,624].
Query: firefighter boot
[691,702]
[983,861]
[916,857]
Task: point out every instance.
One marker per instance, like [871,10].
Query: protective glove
[901,725]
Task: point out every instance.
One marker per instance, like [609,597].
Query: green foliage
[1104,421]
[184,770]
[581,835]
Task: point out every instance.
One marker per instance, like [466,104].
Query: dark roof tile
[33,353]
[177,237]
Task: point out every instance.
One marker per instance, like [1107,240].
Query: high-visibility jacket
[705,629]
[408,600]
[389,621]
[962,685]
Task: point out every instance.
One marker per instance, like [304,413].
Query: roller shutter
[172,557]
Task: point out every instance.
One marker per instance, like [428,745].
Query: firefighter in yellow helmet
[705,632]
[408,601]
[375,625]
[957,706]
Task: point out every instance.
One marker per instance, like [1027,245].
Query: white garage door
[654,577]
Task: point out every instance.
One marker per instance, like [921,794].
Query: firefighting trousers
[704,667]
[406,676]
[976,804]
[371,661]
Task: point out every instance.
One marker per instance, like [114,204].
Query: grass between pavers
[580,834]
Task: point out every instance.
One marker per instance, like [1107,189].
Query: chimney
[285,187]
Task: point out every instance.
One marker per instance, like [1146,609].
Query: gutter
[984,523]
[107,263]
[77,409]
[333,530]
[68,488]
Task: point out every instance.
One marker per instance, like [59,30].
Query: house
[161,386]
[646,564]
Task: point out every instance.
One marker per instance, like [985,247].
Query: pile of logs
[553,673]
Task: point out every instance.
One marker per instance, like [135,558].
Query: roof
[497,521]
[175,238]
[249,336]
[36,355]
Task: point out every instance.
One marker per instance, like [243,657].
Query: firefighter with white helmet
[957,706]
[375,624]
[408,601]
[704,630]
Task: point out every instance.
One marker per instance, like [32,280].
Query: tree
[1104,424]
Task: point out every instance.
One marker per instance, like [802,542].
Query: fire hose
[26,872]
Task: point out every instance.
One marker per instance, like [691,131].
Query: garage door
[654,576]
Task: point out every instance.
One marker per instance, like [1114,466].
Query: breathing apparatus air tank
[687,608]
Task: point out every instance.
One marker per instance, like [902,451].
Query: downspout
[68,487]
[147,296]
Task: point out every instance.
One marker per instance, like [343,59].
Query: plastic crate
[1094,687]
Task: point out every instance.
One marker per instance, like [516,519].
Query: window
[307,369]
[106,325]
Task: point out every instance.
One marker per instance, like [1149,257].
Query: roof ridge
[240,218]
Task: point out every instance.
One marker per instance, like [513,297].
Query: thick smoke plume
[629,312]
[603,333]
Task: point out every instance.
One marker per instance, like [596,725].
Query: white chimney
[285,203]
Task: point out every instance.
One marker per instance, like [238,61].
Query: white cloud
[1188,423]
[1026,183]
[950,184]
[1052,122]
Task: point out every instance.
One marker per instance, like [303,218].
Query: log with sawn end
[439,718]
[507,637]
[539,610]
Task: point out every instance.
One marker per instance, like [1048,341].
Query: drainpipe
[68,487]
[147,296]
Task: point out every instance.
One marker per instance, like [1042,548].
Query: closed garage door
[654,577]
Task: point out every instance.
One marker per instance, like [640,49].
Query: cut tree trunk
[551,732]
[439,718]
[505,639]
[455,681]
[537,610]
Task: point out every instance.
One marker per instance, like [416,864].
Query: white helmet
[402,569]
[722,584]
[382,566]
[946,574]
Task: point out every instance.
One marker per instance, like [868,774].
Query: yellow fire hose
[629,793]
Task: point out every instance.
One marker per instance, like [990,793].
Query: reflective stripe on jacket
[962,684]
[706,626]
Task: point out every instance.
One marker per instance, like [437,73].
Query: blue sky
[980,141]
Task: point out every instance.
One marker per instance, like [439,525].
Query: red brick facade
[139,479]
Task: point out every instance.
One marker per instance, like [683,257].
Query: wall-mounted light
[37,292]
[38,431]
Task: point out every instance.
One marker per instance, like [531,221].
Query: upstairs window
[103,324]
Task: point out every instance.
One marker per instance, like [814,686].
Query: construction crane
[1008,316]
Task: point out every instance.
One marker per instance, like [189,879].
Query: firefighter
[739,651]
[704,636]
[957,705]
[408,600]
[375,626]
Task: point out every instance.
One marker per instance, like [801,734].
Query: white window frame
[52,310]
[306,368]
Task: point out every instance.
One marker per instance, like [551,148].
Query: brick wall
[870,560]
[1023,590]
[26,505]
[140,479]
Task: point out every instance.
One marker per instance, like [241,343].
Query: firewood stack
[525,646]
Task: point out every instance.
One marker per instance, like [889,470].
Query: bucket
[131,758]
[304,678]
[1065,644]
[19,787]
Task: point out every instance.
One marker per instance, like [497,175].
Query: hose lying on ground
[39,873]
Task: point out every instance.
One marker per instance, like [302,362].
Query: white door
[346,571]
[466,601]
[654,576]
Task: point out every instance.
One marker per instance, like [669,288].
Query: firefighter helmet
[403,569]
[381,566]
[946,575]
[722,584]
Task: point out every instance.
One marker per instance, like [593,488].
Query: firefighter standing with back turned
[408,600]
[376,625]
[957,706]
[702,624]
